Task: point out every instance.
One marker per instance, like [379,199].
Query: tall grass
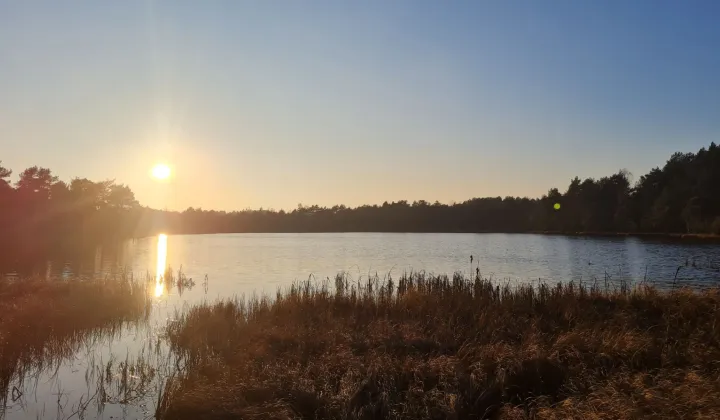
[42,322]
[433,347]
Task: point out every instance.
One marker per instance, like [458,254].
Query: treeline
[40,210]
[681,197]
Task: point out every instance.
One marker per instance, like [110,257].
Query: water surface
[242,263]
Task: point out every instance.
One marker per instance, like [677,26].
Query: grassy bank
[43,321]
[438,348]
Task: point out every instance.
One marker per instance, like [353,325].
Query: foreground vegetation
[438,348]
[42,322]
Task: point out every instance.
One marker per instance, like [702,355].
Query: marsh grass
[47,324]
[44,322]
[433,347]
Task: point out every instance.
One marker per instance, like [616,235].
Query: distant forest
[681,197]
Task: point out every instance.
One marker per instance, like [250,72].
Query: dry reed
[433,347]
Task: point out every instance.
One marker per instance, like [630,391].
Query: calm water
[240,264]
[243,263]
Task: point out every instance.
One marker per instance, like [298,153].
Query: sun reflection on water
[161,264]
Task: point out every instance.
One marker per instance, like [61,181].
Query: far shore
[642,235]
[685,237]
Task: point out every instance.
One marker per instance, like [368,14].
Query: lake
[242,264]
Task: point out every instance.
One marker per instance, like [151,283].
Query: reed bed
[43,322]
[438,347]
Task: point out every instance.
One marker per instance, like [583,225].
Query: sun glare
[161,264]
[161,171]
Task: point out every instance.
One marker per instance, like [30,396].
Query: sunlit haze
[271,104]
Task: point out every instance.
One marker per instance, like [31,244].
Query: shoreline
[700,237]
[642,235]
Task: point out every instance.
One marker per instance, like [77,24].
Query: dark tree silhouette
[681,197]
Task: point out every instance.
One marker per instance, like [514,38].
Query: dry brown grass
[42,322]
[439,348]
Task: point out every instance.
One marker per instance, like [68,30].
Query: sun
[161,171]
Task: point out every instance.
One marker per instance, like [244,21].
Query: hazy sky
[274,103]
